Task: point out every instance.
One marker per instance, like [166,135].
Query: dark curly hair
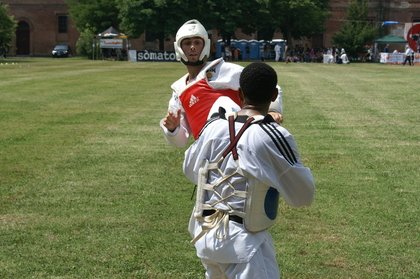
[258,81]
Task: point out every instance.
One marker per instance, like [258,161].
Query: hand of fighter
[172,120]
[277,116]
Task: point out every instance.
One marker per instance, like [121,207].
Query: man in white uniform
[242,163]
[206,87]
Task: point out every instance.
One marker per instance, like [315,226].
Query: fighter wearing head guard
[242,163]
[206,87]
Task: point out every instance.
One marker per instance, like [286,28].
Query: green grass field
[90,189]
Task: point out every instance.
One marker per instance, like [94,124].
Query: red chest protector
[197,101]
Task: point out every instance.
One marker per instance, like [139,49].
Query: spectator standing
[228,53]
[409,56]
[277,51]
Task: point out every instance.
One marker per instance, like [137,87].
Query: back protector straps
[260,200]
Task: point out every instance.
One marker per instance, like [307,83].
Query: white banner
[397,58]
[111,43]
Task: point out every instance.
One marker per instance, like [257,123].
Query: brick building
[44,23]
[403,11]
[41,25]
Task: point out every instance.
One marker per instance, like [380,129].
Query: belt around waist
[233,218]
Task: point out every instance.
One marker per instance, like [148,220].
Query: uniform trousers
[263,265]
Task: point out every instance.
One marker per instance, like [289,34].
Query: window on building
[62,24]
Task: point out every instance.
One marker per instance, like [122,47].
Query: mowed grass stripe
[106,177]
[91,190]
[346,121]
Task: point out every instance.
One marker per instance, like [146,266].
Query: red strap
[235,138]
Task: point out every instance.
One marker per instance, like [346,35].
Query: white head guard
[190,29]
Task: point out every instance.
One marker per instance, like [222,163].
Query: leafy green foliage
[227,16]
[357,31]
[95,14]
[7,28]
[85,44]
[159,18]
[297,18]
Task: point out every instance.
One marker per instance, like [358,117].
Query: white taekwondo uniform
[267,154]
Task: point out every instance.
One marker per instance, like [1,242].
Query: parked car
[61,50]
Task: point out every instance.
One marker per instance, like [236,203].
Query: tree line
[161,18]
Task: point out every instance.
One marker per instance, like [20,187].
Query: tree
[97,15]
[85,43]
[159,18]
[7,29]
[357,31]
[229,15]
[299,18]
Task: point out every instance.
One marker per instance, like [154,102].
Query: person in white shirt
[242,163]
[343,57]
[277,51]
[409,54]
